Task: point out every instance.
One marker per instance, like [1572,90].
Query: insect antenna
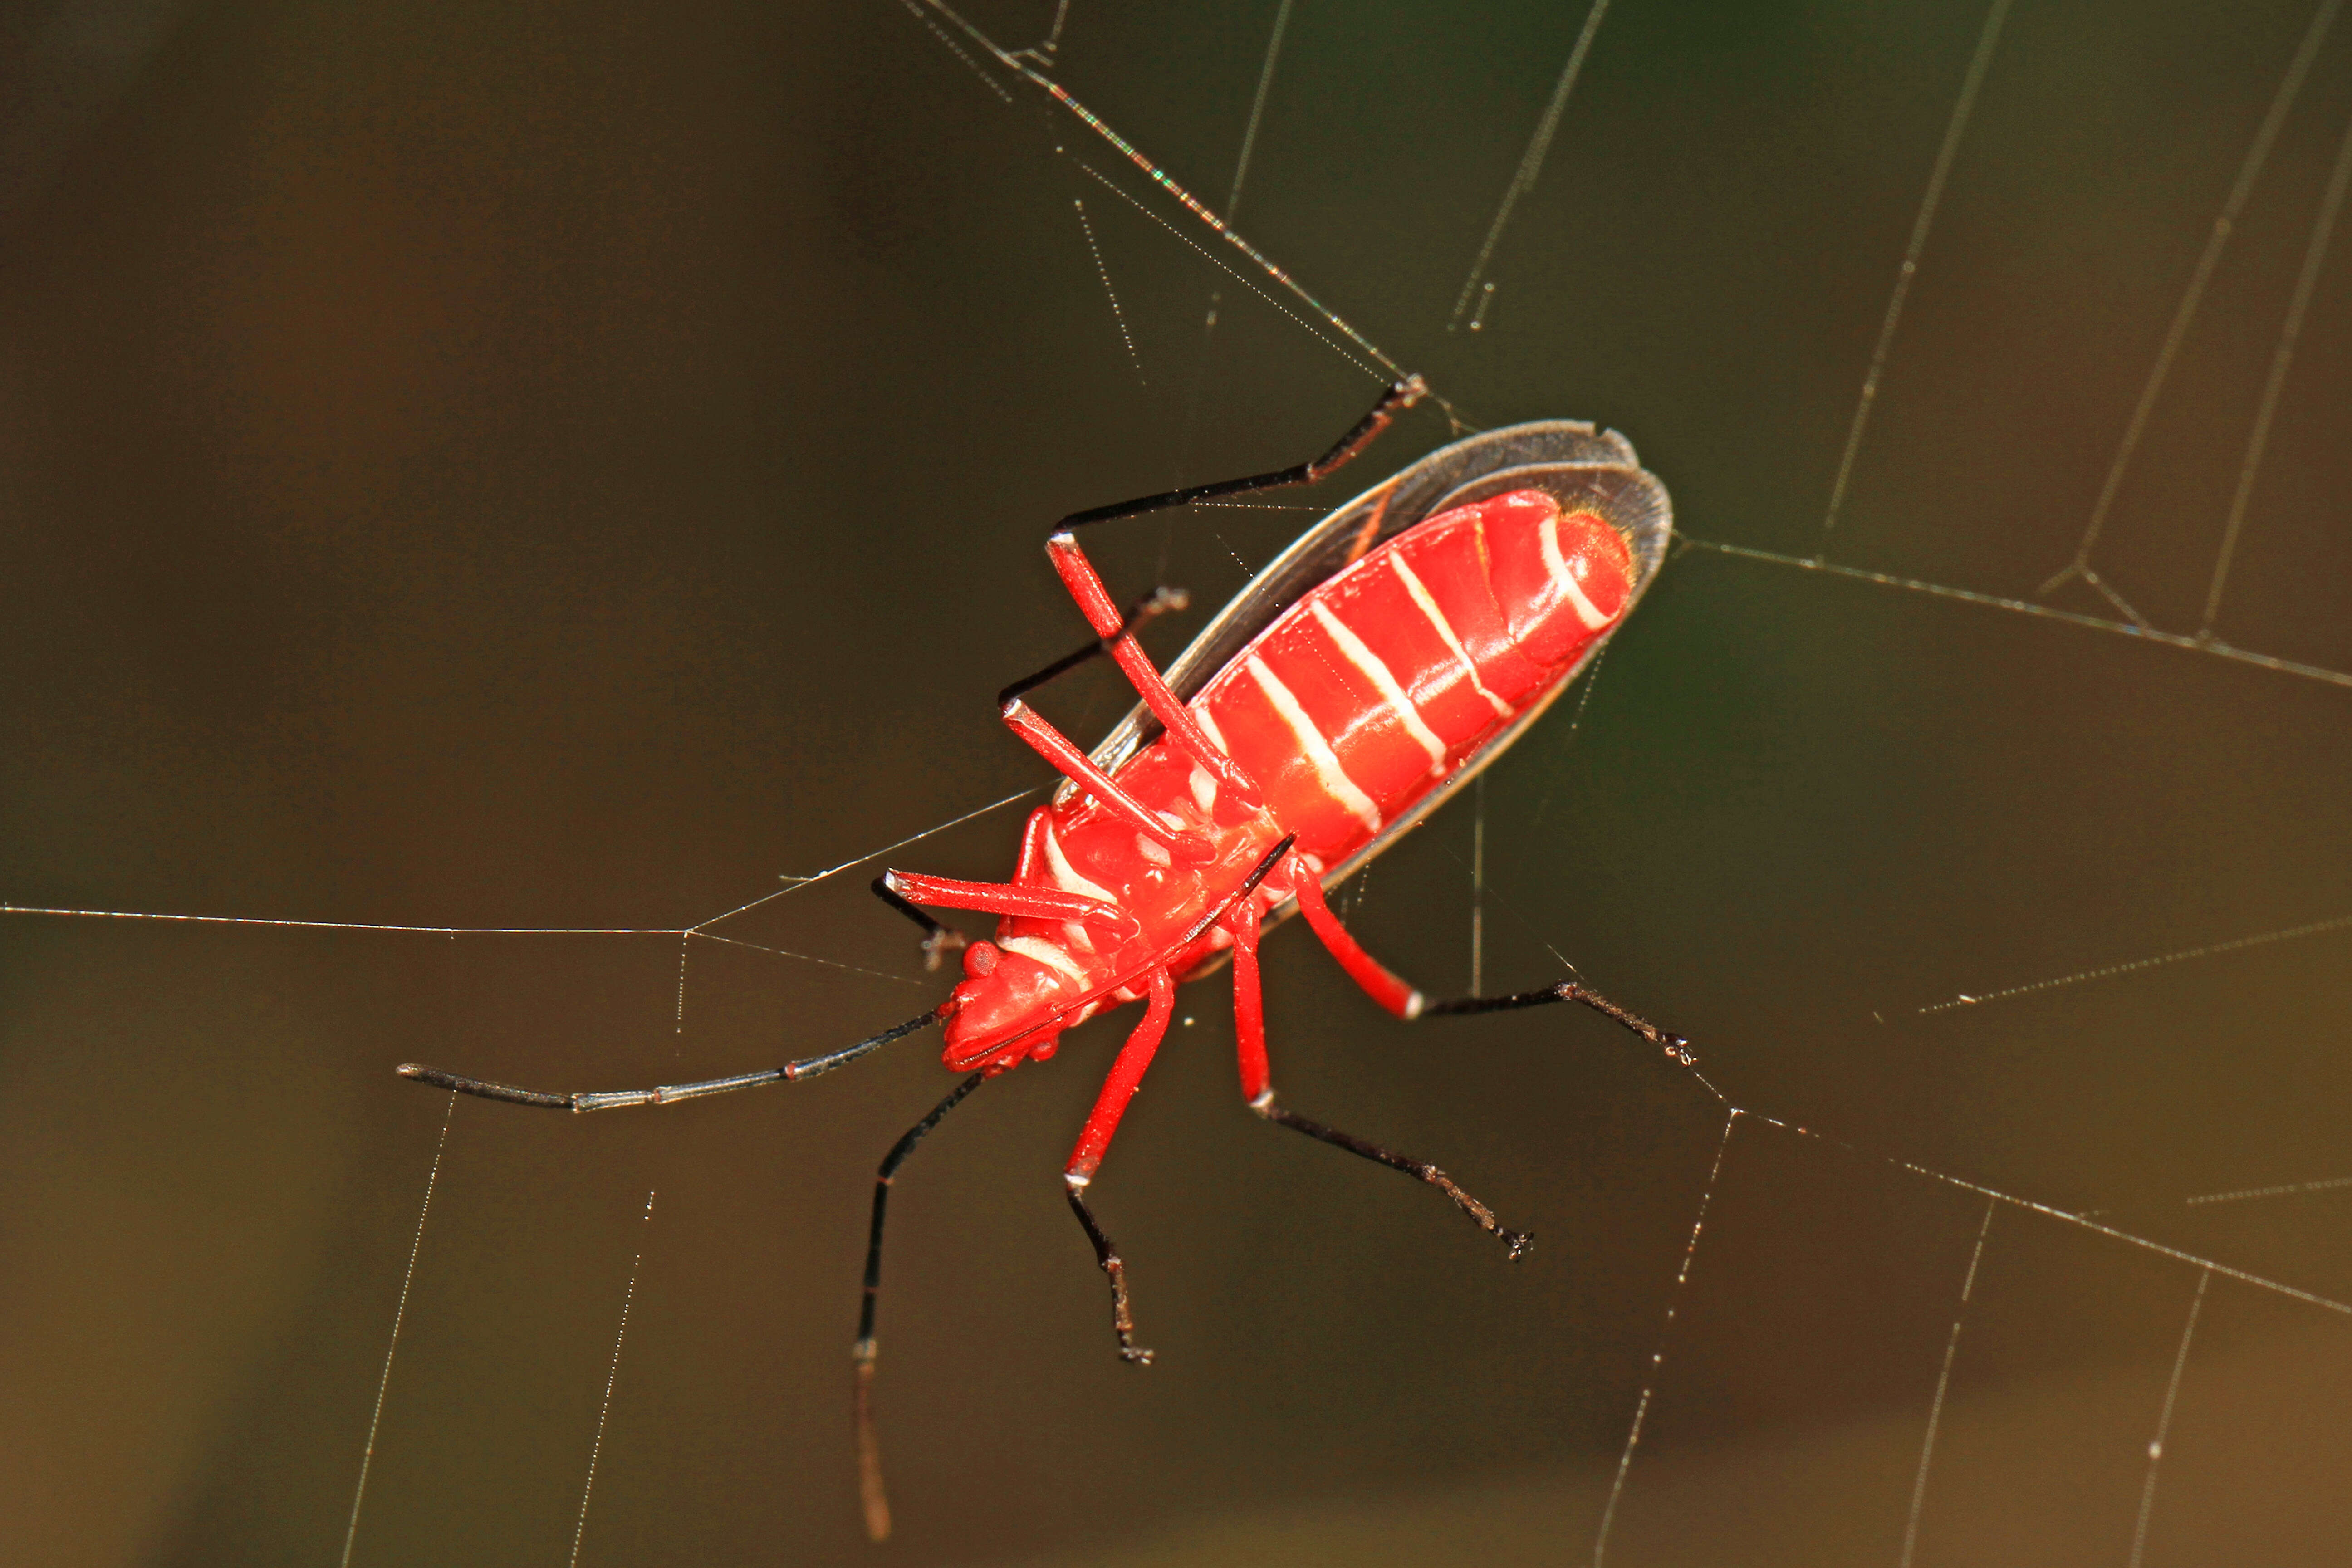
[665,1094]
[872,1495]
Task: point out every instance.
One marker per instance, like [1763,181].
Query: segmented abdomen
[1344,712]
[1372,688]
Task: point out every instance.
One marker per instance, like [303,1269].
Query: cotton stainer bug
[1371,670]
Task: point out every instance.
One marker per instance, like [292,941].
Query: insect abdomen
[1372,688]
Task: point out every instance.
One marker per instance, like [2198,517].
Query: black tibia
[937,939]
[882,1179]
[669,1093]
[1159,602]
[1674,1044]
[1517,1241]
[869,1447]
[1114,1268]
[1395,400]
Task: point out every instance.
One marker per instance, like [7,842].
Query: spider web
[1967,790]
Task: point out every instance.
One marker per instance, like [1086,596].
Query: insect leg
[937,939]
[1366,970]
[1249,1006]
[1009,899]
[861,1354]
[1080,769]
[1257,1086]
[1666,1040]
[1093,1141]
[1086,587]
[1161,600]
[1407,1003]
[1086,584]
[669,1093]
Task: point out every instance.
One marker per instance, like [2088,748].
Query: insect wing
[1586,468]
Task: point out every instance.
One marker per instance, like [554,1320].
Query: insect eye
[979,959]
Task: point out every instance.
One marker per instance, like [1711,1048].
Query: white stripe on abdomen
[1315,748]
[1570,590]
[1445,628]
[1376,672]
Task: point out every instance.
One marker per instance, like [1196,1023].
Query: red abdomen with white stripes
[1358,700]
[1372,690]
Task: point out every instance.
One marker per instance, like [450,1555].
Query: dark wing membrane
[1585,468]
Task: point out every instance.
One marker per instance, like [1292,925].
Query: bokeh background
[571,468]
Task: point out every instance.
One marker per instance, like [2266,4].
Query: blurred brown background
[569,468]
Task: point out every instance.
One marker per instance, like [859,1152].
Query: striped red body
[1391,651]
[1335,702]
[1345,712]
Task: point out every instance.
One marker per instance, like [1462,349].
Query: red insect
[1375,668]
